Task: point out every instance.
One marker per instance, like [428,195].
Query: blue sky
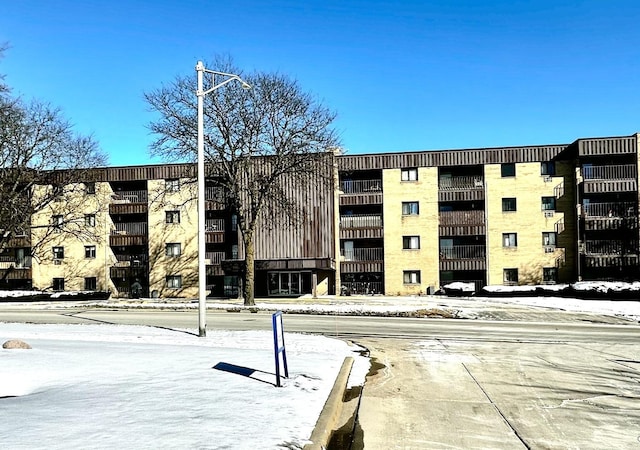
[402,75]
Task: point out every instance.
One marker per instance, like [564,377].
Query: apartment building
[393,223]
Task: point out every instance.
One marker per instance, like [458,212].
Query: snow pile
[105,387]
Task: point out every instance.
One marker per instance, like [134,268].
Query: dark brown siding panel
[358,267]
[361,233]
[463,265]
[595,187]
[457,196]
[361,199]
[607,146]
[441,158]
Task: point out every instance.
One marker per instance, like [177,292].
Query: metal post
[202,269]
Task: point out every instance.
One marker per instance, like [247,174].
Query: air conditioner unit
[549,249]
[548,213]
[548,179]
[57,262]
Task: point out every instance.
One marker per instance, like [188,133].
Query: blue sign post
[278,346]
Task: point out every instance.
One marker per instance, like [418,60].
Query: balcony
[12,262]
[214,231]
[215,198]
[360,260]
[610,178]
[129,197]
[129,202]
[129,233]
[463,188]
[462,223]
[463,257]
[608,247]
[131,260]
[361,226]
[361,192]
[609,216]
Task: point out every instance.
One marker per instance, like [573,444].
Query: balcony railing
[9,261]
[609,209]
[130,197]
[214,194]
[213,225]
[361,221]
[131,228]
[610,172]
[363,254]
[463,252]
[361,287]
[610,247]
[360,186]
[215,258]
[460,183]
[472,217]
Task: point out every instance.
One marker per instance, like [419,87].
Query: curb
[332,408]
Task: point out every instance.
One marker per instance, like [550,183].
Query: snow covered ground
[106,387]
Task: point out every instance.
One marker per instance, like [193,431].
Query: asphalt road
[443,384]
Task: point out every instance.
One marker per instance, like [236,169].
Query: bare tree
[258,143]
[39,151]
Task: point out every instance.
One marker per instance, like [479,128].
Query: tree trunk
[249,273]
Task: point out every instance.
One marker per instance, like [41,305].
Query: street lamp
[202,269]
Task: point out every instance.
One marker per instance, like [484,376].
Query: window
[56,222]
[90,251]
[411,277]
[509,204]
[174,281]
[58,284]
[410,242]
[410,174]
[234,251]
[172,185]
[549,239]
[173,249]
[90,220]
[548,203]
[508,170]
[172,216]
[90,284]
[509,239]
[58,252]
[234,222]
[549,274]
[548,168]
[510,276]
[409,208]
[90,187]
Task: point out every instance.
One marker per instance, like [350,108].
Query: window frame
[547,242]
[545,206]
[506,203]
[412,277]
[174,281]
[508,273]
[90,283]
[410,208]
[90,187]
[89,220]
[508,242]
[89,252]
[548,168]
[171,216]
[545,274]
[508,170]
[172,184]
[410,242]
[409,174]
[58,252]
[57,284]
[170,247]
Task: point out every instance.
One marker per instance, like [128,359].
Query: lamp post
[202,269]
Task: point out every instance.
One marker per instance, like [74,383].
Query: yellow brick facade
[184,233]
[528,222]
[425,225]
